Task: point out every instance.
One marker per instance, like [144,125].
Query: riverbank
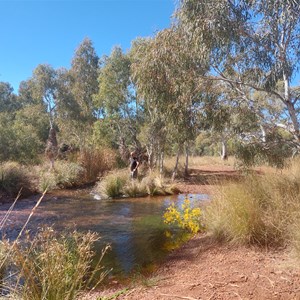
[205,269]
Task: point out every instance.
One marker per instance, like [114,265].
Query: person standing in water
[134,163]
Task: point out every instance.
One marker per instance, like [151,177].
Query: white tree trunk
[161,165]
[224,155]
[176,166]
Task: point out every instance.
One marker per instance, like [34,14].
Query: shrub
[13,178]
[52,267]
[187,217]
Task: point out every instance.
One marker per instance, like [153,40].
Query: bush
[118,183]
[13,178]
[52,267]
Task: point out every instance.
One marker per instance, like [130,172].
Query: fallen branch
[177,296]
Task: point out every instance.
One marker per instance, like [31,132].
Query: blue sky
[49,31]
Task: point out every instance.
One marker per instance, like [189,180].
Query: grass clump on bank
[13,178]
[258,210]
[65,175]
[111,186]
[55,267]
[117,184]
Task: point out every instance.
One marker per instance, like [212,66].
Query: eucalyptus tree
[167,76]
[253,47]
[116,100]
[84,72]
[71,123]
[24,125]
[8,100]
[153,132]
[43,88]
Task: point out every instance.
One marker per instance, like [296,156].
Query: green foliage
[273,153]
[55,267]
[23,134]
[8,100]
[264,74]
[84,73]
[186,217]
[13,178]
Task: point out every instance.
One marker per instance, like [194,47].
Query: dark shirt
[133,165]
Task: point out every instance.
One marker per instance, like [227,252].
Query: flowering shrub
[187,217]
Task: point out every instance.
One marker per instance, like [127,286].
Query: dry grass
[261,209]
[96,162]
[55,267]
[66,175]
[194,162]
[13,178]
[111,186]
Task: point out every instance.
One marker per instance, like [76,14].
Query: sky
[34,32]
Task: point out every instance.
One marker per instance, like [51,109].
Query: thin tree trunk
[186,167]
[161,166]
[263,132]
[291,107]
[150,157]
[176,166]
[224,155]
[159,157]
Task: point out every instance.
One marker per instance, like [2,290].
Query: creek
[133,227]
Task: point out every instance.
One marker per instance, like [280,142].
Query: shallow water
[133,226]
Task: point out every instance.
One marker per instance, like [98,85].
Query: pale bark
[176,166]
[224,155]
[161,165]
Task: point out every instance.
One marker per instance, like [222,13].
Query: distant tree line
[218,81]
